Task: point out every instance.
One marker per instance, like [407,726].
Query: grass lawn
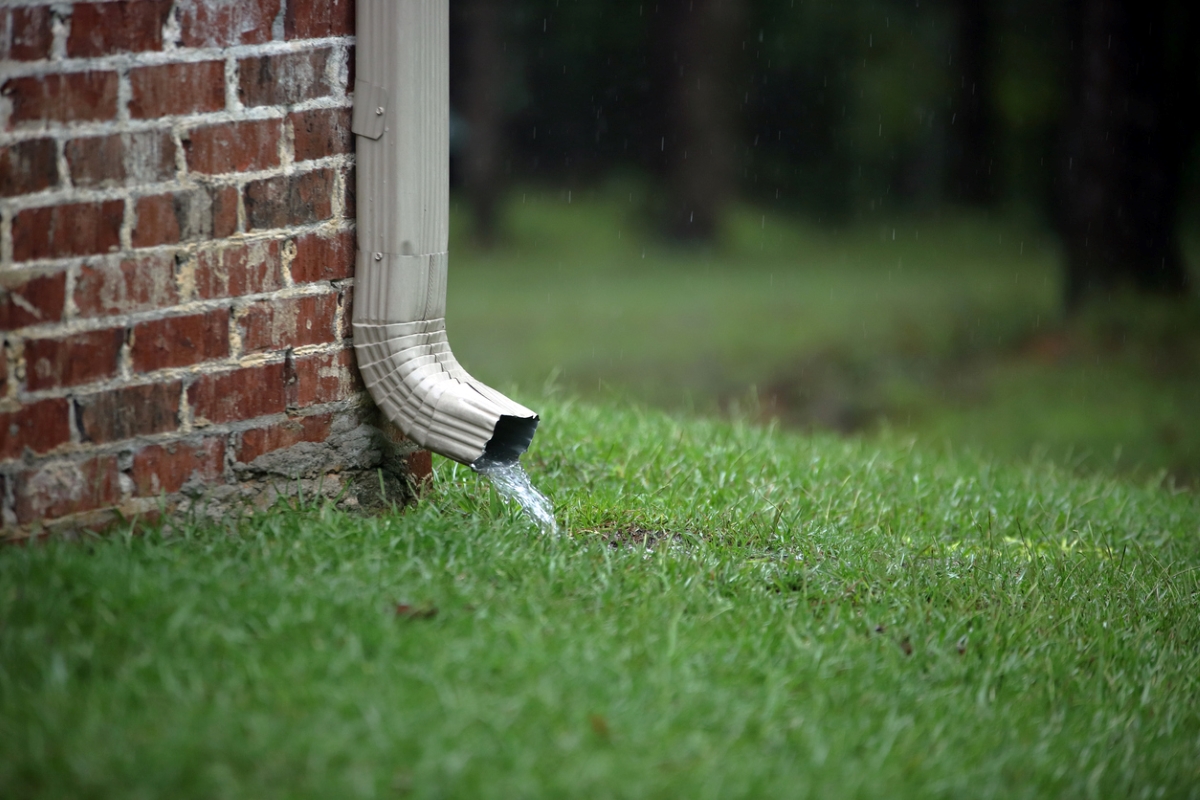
[731,610]
[944,328]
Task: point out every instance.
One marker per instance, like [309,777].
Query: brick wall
[176,259]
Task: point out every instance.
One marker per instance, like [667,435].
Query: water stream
[512,483]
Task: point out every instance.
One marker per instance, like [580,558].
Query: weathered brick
[278,324]
[238,269]
[135,284]
[77,229]
[233,147]
[3,371]
[63,487]
[180,341]
[222,23]
[419,465]
[317,19]
[27,167]
[170,89]
[242,394]
[71,97]
[118,414]
[257,441]
[224,211]
[321,132]
[322,258]
[127,26]
[289,200]
[145,157]
[28,298]
[170,218]
[72,360]
[327,378]
[25,34]
[284,78]
[41,426]
[165,469]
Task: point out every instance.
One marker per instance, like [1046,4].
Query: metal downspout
[401,124]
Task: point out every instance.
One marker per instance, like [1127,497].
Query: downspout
[401,124]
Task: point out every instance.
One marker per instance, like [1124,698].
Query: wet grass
[732,610]
[945,328]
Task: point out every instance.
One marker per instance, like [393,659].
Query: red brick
[65,487]
[284,78]
[294,322]
[224,211]
[25,34]
[97,161]
[119,414]
[165,469]
[233,146]
[419,466]
[129,26]
[321,132]
[289,200]
[242,394]
[170,89]
[258,441]
[3,371]
[222,23]
[327,378]
[181,341]
[73,97]
[27,167]
[237,270]
[78,229]
[320,258]
[71,360]
[134,284]
[317,19]
[40,426]
[169,218]
[31,299]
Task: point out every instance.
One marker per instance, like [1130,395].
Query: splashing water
[512,483]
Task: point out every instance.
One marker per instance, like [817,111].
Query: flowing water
[512,483]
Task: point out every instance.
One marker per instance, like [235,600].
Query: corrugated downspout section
[401,121]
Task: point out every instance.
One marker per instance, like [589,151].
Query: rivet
[379,111]
[379,256]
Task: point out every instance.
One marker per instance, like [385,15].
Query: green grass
[944,328]
[815,617]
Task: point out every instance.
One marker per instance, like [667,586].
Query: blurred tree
[973,127]
[480,83]
[1127,132]
[696,43]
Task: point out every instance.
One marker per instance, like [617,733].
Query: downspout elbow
[401,127]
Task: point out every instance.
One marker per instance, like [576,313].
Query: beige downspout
[401,123]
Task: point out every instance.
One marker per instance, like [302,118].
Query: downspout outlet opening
[510,438]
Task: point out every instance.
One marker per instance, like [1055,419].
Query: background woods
[1074,110]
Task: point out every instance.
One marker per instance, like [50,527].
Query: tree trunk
[1125,142]
[480,98]
[973,120]
[699,41]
